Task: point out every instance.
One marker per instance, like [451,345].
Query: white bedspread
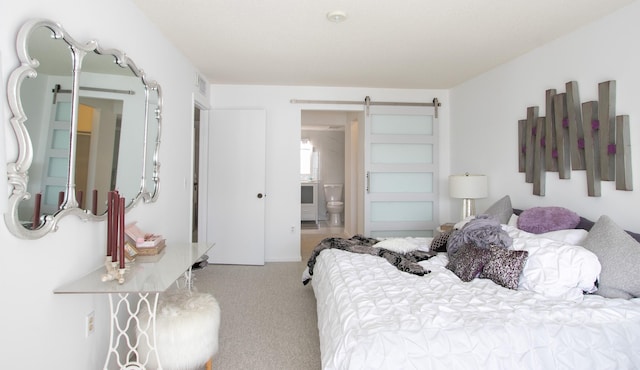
[372,316]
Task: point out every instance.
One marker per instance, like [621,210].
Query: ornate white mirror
[86,121]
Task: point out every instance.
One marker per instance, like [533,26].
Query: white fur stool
[187,326]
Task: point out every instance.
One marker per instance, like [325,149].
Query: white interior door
[236,186]
[400,195]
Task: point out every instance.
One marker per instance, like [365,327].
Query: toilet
[335,205]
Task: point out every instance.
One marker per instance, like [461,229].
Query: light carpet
[268,318]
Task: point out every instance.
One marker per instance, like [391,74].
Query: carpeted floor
[268,318]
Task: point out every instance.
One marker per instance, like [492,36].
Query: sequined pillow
[439,243]
[504,266]
[468,262]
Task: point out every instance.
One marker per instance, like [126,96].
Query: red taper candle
[79,196]
[109,224]
[36,211]
[94,202]
[114,227]
[121,213]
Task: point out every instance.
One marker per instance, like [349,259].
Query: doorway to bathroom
[327,157]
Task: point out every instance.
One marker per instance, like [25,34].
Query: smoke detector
[337,16]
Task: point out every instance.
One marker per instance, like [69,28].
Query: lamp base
[468,208]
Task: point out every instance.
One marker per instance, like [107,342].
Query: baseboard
[284,259]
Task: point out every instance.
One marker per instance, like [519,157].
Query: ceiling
[427,44]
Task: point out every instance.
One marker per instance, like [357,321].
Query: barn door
[400,171]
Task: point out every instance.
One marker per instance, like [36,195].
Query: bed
[374,315]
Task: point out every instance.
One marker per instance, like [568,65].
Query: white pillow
[555,269]
[567,236]
[399,245]
[513,220]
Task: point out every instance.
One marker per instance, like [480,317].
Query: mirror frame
[17,172]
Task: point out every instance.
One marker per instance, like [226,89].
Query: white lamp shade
[468,186]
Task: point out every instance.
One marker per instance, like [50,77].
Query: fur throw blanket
[482,232]
[407,262]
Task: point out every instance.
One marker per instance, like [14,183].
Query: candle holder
[113,272]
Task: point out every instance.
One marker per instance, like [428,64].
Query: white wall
[41,330]
[283,146]
[485,112]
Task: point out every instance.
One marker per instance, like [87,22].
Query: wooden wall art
[580,136]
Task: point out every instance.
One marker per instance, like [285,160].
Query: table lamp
[468,188]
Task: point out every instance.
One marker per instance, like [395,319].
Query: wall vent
[202,84]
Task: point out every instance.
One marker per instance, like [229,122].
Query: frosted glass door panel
[401,211]
[387,124]
[58,167]
[63,111]
[401,153]
[401,182]
[60,139]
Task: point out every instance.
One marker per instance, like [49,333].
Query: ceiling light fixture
[337,16]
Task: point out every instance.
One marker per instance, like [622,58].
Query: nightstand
[446,227]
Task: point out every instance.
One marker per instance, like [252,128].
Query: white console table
[147,277]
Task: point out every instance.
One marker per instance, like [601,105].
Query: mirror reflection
[151,165]
[87,122]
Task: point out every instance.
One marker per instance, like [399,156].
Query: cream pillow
[399,245]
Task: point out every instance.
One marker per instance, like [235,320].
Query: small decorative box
[146,243]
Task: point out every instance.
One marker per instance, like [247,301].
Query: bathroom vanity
[309,201]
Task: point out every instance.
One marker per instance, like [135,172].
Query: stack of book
[146,244]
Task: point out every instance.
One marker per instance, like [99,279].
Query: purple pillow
[538,220]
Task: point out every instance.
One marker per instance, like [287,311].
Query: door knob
[260,195]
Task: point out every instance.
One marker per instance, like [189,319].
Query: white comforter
[372,316]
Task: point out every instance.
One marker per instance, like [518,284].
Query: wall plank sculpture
[591,147]
[607,122]
[623,154]
[539,176]
[573,135]
[574,114]
[522,145]
[549,142]
[563,146]
[530,142]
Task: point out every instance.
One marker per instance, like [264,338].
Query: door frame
[203,151]
[353,162]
